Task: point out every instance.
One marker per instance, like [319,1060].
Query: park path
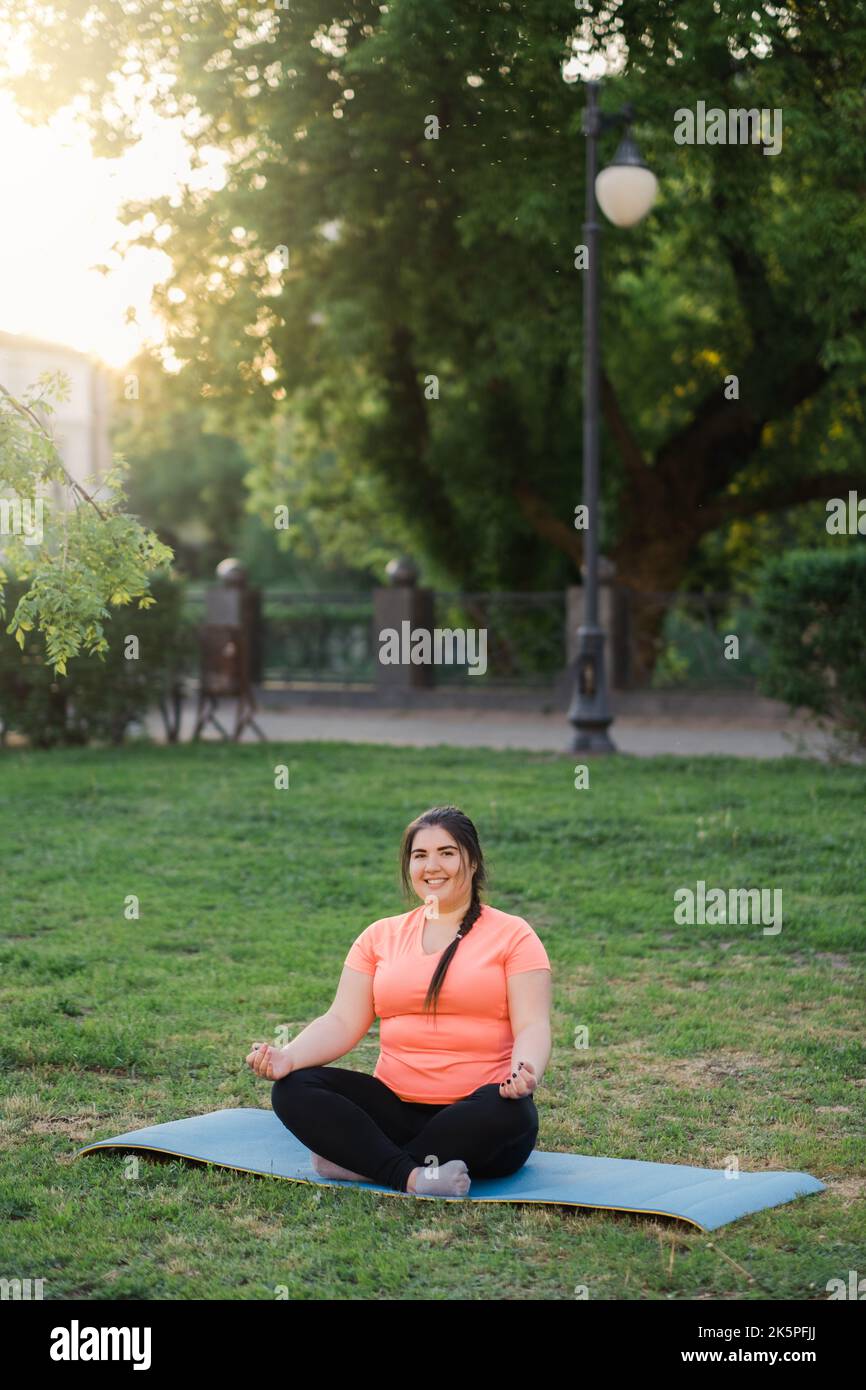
[532,732]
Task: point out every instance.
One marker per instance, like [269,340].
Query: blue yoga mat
[256,1141]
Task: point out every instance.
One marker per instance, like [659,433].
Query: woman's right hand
[269,1062]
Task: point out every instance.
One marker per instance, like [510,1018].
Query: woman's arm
[532,1044]
[335,1033]
[529,999]
[324,1040]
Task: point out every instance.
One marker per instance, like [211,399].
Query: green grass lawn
[704,1041]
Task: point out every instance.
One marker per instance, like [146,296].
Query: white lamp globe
[626,189]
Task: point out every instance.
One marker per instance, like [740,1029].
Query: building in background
[79,425]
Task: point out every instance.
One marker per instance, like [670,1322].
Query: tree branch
[629,449]
[722,433]
[30,415]
[775,499]
[712,445]
[547,524]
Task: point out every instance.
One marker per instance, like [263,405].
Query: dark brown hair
[460,827]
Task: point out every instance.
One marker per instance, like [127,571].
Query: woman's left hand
[522,1083]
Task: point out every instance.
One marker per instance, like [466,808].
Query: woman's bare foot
[326,1169]
[449,1180]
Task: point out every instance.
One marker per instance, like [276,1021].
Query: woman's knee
[513,1116]
[509,1159]
[508,1125]
[286,1087]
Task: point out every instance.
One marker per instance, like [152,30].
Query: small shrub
[99,698]
[812,615]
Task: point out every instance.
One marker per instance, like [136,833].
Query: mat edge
[424,1197]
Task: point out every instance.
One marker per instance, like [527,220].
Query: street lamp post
[625,190]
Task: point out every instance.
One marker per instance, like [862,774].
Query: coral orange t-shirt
[469,1044]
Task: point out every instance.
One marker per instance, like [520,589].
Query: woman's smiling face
[437,868]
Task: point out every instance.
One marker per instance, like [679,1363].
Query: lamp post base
[591,741]
[590,712]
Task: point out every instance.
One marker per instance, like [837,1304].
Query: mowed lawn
[705,1042]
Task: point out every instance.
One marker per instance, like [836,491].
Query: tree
[78,560]
[186,478]
[426,330]
[208,498]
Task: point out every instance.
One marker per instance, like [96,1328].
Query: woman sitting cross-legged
[451,1096]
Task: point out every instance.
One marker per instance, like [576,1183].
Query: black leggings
[358,1122]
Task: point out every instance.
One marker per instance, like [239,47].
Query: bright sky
[59,221]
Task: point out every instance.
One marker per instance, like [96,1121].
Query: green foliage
[692,646]
[453,257]
[80,562]
[100,697]
[812,614]
[186,479]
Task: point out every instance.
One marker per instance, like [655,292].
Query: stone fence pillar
[403,607]
[235,603]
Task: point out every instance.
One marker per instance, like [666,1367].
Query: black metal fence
[691,642]
[663,641]
[525,636]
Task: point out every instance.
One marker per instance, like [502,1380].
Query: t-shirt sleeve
[526,952]
[362,954]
